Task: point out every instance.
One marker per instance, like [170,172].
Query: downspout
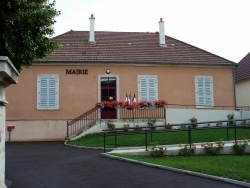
[234,90]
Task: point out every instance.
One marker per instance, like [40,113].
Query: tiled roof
[128,47]
[243,68]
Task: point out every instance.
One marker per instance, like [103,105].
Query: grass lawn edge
[228,180]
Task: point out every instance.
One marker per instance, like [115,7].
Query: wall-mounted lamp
[108,71]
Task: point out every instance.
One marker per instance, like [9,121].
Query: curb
[227,180]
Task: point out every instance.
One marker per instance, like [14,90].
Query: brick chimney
[92,30]
[162,41]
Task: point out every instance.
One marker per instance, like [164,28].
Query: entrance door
[108,93]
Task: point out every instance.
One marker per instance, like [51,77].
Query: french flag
[134,101]
[126,102]
[129,100]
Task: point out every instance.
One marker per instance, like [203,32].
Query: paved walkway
[52,165]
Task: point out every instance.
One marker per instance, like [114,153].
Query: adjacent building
[242,80]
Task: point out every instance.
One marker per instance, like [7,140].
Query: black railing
[189,127]
[207,107]
[243,108]
[77,125]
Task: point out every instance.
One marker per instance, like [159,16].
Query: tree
[25,28]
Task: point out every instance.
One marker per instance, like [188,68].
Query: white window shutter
[147,88]
[43,92]
[151,89]
[204,91]
[143,89]
[51,92]
[48,95]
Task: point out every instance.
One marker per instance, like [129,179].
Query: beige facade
[242,92]
[78,93]
[79,90]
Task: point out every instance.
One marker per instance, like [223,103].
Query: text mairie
[76,71]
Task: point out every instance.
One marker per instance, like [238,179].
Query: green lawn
[166,138]
[233,166]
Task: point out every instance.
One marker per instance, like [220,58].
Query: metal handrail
[87,119]
[225,124]
[77,125]
[191,106]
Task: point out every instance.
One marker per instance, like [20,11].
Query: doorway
[108,93]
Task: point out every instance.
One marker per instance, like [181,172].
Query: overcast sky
[221,27]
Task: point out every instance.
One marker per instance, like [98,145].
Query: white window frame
[51,94]
[149,96]
[204,92]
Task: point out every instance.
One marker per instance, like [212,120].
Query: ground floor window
[204,91]
[47,92]
[147,87]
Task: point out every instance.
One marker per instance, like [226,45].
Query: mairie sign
[76,71]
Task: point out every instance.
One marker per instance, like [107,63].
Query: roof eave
[138,63]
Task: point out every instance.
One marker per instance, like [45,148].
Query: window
[204,91]
[147,88]
[47,92]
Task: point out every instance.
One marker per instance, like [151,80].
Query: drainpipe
[233,73]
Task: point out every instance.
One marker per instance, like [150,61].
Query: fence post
[235,134]
[189,135]
[67,133]
[115,140]
[151,136]
[165,116]
[227,135]
[104,141]
[146,139]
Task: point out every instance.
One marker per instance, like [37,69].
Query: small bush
[213,149]
[125,127]
[186,150]
[151,123]
[156,152]
[110,124]
[230,117]
[168,126]
[240,146]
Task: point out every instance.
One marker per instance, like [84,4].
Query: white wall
[47,130]
[177,116]
[245,114]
